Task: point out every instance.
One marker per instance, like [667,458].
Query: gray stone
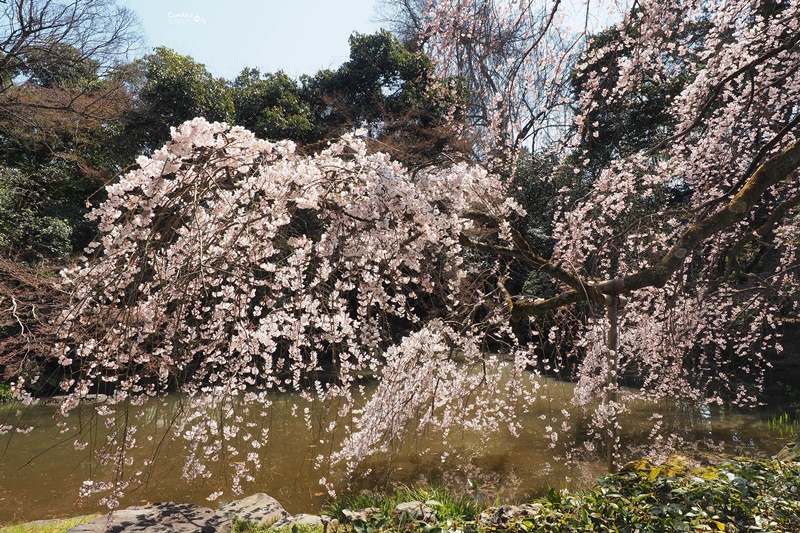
[417,511]
[301,519]
[361,515]
[498,517]
[260,509]
[159,518]
[790,452]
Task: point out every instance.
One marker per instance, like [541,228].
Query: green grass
[59,526]
[784,424]
[448,506]
[246,527]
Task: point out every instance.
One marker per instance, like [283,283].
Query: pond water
[41,472]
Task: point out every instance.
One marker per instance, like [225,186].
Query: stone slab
[159,518]
[301,519]
[260,509]
[417,511]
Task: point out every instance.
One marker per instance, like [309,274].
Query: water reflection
[42,472]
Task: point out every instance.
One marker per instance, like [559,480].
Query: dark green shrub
[42,212]
[5,393]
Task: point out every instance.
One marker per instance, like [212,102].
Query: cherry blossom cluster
[710,326]
[229,267]
[701,336]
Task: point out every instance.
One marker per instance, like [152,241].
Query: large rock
[260,509]
[501,516]
[416,511]
[790,452]
[301,519]
[159,518]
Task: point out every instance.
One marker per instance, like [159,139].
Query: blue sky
[296,36]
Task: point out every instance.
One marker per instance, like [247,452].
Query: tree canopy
[273,106]
[174,89]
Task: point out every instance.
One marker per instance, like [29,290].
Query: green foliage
[59,65]
[42,211]
[5,393]
[393,92]
[272,106]
[173,89]
[535,186]
[381,76]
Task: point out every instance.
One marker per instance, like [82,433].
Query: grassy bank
[48,526]
[680,494]
[677,495]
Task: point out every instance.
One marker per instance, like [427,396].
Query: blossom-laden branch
[231,267]
[759,233]
[774,170]
[711,90]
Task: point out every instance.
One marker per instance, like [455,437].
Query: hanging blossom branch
[514,58]
[658,218]
[774,170]
[761,232]
[229,267]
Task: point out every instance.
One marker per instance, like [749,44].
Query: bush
[746,495]
[737,496]
[5,393]
[42,212]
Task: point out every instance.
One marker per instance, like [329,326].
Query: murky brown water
[40,472]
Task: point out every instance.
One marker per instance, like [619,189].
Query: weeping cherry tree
[230,268]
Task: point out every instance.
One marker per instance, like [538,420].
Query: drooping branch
[716,91]
[771,172]
[525,307]
[759,157]
[524,253]
[760,233]
[775,169]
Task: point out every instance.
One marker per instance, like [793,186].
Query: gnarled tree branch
[777,168]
